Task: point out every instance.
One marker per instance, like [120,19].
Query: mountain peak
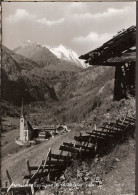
[30,43]
[67,54]
[26,43]
[61,46]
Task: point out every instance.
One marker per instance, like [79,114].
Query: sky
[80,26]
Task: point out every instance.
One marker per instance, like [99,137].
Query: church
[26,129]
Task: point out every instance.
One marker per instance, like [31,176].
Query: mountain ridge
[45,58]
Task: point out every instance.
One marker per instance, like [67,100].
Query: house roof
[121,48]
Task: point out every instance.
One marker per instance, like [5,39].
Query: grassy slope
[17,165]
[116,171]
[121,179]
[38,152]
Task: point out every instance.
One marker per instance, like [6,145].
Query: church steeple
[22,125]
[22,109]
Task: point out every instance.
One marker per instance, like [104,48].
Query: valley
[57,91]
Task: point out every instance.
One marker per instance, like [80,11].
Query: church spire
[22,109]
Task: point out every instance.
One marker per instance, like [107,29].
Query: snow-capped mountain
[33,50]
[45,58]
[67,54]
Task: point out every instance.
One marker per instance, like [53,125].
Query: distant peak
[61,46]
[26,43]
[29,41]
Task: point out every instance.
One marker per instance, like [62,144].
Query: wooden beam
[40,174]
[123,123]
[84,139]
[109,132]
[32,168]
[55,162]
[18,190]
[58,156]
[9,190]
[37,175]
[69,149]
[46,159]
[131,118]
[102,134]
[113,48]
[34,176]
[112,129]
[71,145]
[116,126]
[78,146]
[115,130]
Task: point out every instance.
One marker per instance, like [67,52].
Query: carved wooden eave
[117,61]
[121,48]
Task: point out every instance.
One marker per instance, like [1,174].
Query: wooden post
[119,84]
[46,159]
[32,190]
[10,190]
[58,161]
[49,156]
[34,175]
[6,184]
[54,125]
[28,166]
[9,177]
[95,127]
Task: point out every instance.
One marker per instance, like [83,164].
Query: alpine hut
[120,51]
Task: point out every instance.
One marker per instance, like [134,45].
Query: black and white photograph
[68,98]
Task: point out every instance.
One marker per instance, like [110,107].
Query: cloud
[47,22]
[93,39]
[110,12]
[20,15]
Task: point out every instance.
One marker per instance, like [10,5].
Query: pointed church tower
[22,138]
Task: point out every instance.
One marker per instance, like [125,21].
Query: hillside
[20,79]
[71,96]
[109,168]
[83,94]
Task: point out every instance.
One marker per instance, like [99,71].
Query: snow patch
[67,54]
